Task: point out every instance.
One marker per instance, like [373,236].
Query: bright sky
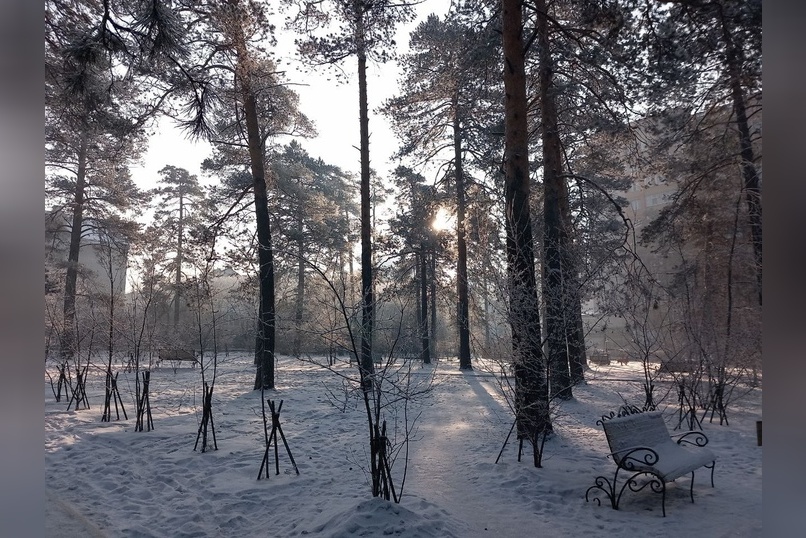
[332,106]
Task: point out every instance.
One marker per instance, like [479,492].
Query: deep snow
[104,479]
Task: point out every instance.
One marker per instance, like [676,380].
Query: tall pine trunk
[555,207]
[179,254]
[367,295]
[531,396]
[751,181]
[68,333]
[432,279]
[423,281]
[462,315]
[265,338]
[365,364]
[299,307]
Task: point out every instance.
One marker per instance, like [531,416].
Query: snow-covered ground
[105,479]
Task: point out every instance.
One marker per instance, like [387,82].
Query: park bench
[640,445]
[176,356]
[676,366]
[601,358]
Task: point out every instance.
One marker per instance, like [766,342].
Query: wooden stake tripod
[382,472]
[62,383]
[275,427]
[112,395]
[80,392]
[144,406]
[207,417]
[537,449]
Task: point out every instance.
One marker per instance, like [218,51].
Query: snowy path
[456,436]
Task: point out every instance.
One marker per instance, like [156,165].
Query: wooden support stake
[275,429]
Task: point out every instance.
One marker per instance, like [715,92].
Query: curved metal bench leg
[691,488]
[608,487]
[614,493]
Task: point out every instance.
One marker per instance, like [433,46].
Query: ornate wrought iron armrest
[691,438]
[642,455]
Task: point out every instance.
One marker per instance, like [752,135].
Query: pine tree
[178,199]
[228,90]
[436,113]
[314,214]
[531,390]
[94,120]
[366,32]
[705,54]
[417,205]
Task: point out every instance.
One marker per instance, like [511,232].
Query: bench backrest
[640,429]
[177,355]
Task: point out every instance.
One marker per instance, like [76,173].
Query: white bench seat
[640,444]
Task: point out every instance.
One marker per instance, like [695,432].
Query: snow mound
[377,517]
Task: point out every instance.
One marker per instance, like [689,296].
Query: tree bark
[531,397]
[752,184]
[462,315]
[300,300]
[422,261]
[67,343]
[555,206]
[367,295]
[265,339]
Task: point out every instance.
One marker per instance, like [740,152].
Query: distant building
[103,257]
[657,169]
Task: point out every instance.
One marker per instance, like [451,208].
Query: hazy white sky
[332,106]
